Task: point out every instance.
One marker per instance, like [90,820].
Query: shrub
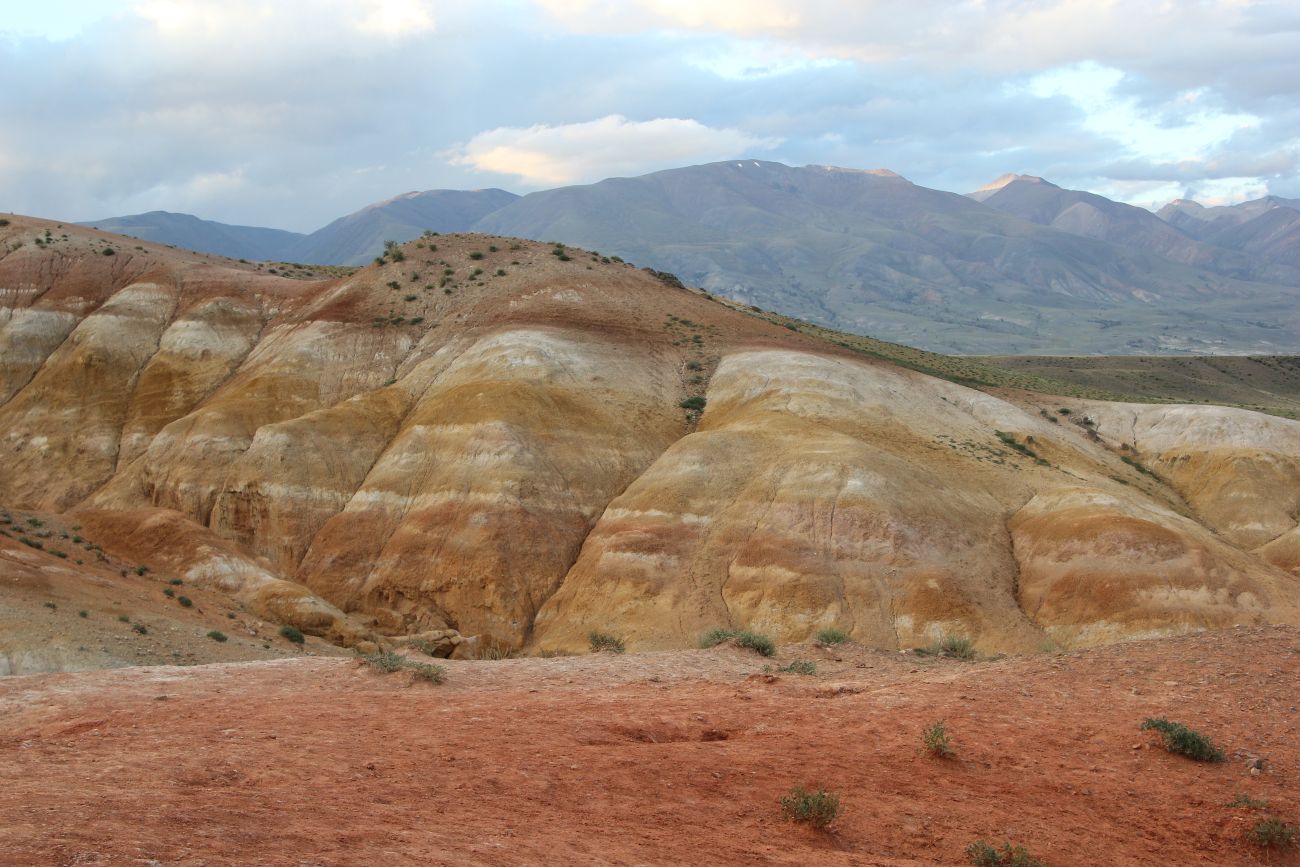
[799,666]
[755,641]
[949,646]
[476,255]
[217,636]
[140,628]
[600,641]
[693,365]
[140,570]
[122,618]
[83,613]
[3,222]
[388,662]
[425,671]
[385,660]
[1244,800]
[1272,833]
[1178,738]
[51,606]
[819,808]
[176,582]
[492,248]
[291,633]
[109,251]
[981,854]
[693,404]
[168,592]
[831,635]
[185,601]
[934,741]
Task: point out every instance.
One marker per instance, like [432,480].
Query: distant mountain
[1092,216]
[204,236]
[870,251]
[1267,228]
[359,237]
[351,240]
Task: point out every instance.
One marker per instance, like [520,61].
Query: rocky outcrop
[494,445]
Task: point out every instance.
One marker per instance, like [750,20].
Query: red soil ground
[664,758]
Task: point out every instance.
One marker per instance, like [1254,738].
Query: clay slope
[486,436]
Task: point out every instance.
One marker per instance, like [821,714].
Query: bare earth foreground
[657,758]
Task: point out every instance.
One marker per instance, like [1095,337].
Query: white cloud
[613,145]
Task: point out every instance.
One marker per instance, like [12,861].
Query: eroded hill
[510,444]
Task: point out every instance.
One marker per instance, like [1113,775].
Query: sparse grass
[1178,738]
[388,662]
[122,618]
[1272,833]
[1244,800]
[831,635]
[949,647]
[292,633]
[602,641]
[935,742]
[799,666]
[819,808]
[757,642]
[217,636]
[982,854]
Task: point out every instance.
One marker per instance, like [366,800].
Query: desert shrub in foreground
[1178,738]
[1244,800]
[1272,833]
[755,641]
[292,633]
[388,662]
[604,641]
[934,741]
[217,636]
[831,635]
[981,854]
[950,647]
[817,808]
[799,666]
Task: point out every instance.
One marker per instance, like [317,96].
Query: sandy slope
[659,758]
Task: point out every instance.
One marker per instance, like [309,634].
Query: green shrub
[291,633]
[1178,738]
[600,641]
[185,601]
[109,251]
[755,641]
[476,255]
[950,647]
[799,666]
[168,592]
[819,808]
[217,636]
[176,582]
[426,672]
[693,404]
[1272,833]
[1244,800]
[83,613]
[3,222]
[831,635]
[693,365]
[981,854]
[141,570]
[140,628]
[385,660]
[934,741]
[122,618]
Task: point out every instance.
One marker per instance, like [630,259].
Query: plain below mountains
[1020,266]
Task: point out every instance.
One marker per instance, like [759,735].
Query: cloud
[544,155]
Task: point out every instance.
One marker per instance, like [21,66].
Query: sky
[289,113]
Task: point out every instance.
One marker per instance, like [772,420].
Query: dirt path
[669,758]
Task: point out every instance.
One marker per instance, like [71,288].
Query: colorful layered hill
[512,444]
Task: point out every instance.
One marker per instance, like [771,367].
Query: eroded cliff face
[486,438]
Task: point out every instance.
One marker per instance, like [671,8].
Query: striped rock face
[521,448]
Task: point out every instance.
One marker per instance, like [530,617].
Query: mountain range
[1019,266]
